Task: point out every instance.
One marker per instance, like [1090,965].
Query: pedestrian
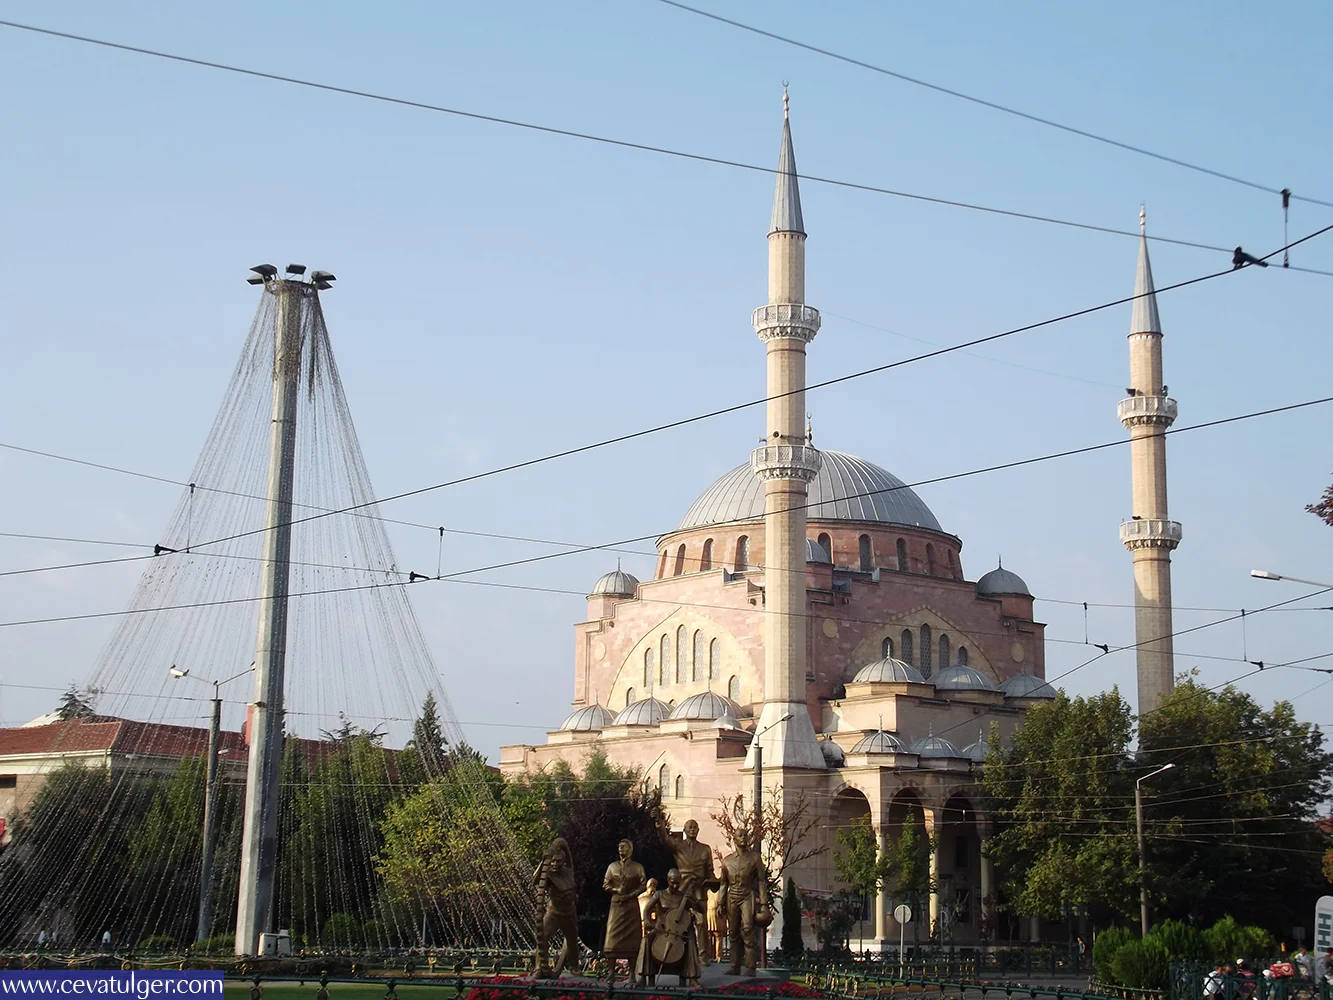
[1082,952]
[1304,963]
[1215,984]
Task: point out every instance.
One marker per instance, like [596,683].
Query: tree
[1061,796]
[785,831]
[1323,509]
[911,863]
[792,945]
[860,864]
[426,754]
[76,704]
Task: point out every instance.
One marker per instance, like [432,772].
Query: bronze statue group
[657,930]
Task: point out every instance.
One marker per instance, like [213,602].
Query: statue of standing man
[745,884]
[694,861]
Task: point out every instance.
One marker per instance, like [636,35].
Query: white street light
[1263,574]
[1138,820]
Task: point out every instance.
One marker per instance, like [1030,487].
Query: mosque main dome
[847,489]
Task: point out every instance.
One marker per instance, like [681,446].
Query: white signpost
[1323,925]
[903,914]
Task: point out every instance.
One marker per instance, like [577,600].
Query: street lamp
[1263,574]
[210,795]
[1138,820]
[759,781]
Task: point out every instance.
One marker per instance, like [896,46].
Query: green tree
[1062,798]
[76,704]
[792,945]
[1323,509]
[911,863]
[862,867]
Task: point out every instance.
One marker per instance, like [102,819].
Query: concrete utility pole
[296,299]
[1143,846]
[1147,412]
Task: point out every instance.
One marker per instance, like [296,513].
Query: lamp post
[210,798]
[1263,574]
[1143,851]
[757,833]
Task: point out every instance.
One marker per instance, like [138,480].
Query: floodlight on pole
[1138,820]
[1263,574]
[177,673]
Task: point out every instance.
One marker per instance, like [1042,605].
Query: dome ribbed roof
[706,705]
[617,583]
[934,746]
[888,671]
[590,719]
[879,742]
[1001,581]
[1027,686]
[977,752]
[837,494]
[644,712]
[961,678]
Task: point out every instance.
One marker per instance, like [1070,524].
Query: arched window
[698,664]
[664,780]
[953,566]
[962,656]
[926,651]
[826,543]
[742,553]
[734,689]
[944,651]
[706,558]
[648,677]
[886,650]
[629,697]
[715,659]
[930,558]
[682,654]
[680,786]
[680,561]
[902,556]
[665,665]
[661,565]
[907,645]
[867,556]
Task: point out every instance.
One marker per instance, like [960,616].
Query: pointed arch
[648,670]
[699,661]
[680,561]
[886,649]
[664,780]
[901,550]
[944,650]
[664,661]
[661,565]
[715,659]
[907,645]
[734,689]
[680,786]
[706,557]
[865,553]
[962,656]
[742,553]
[927,651]
[629,697]
[826,543]
[682,654]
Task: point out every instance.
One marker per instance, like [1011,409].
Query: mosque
[811,606]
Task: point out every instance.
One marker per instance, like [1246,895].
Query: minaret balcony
[1135,411]
[786,321]
[1149,533]
[785,461]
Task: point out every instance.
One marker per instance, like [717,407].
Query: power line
[994,106]
[606,140]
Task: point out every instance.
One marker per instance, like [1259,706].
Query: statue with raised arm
[557,896]
[624,880]
[745,884]
[694,860]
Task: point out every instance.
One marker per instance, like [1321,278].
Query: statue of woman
[624,880]
[557,895]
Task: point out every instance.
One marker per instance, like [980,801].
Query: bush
[1229,940]
[156,944]
[1181,941]
[218,944]
[376,935]
[1105,947]
[1142,965]
[340,931]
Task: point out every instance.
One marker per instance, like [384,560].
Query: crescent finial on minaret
[1143,219]
[786,101]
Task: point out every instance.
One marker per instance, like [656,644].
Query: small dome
[879,742]
[728,720]
[592,719]
[617,583]
[833,755]
[1000,581]
[814,552]
[888,671]
[977,751]
[961,678]
[706,705]
[1027,686]
[934,746]
[644,712]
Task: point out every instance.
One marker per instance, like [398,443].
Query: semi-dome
[1001,581]
[644,712]
[590,719]
[1027,686]
[934,746]
[888,671]
[847,489]
[617,583]
[833,755]
[961,678]
[814,552]
[706,705]
[878,742]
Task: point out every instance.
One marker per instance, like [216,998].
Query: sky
[504,294]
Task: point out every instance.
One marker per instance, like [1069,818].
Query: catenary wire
[994,106]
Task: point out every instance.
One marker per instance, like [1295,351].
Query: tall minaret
[786,463]
[1149,535]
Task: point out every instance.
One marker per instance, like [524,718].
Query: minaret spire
[1149,535]
[787,197]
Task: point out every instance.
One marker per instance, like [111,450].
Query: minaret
[786,463]
[1149,535]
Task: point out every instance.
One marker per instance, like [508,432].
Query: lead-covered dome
[934,746]
[1001,581]
[706,706]
[814,552]
[1027,686]
[847,489]
[591,719]
[644,712]
[977,752]
[878,742]
[888,671]
[833,755]
[961,678]
[617,583]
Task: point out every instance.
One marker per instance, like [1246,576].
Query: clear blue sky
[503,294]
